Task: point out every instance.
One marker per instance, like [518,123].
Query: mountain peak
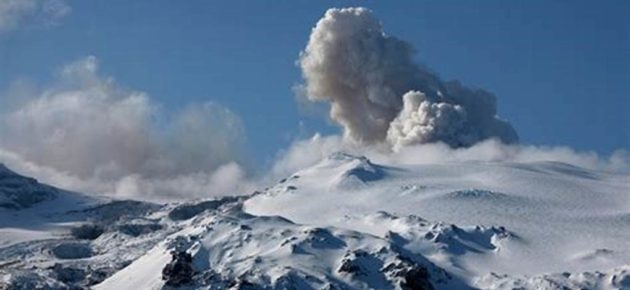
[343,156]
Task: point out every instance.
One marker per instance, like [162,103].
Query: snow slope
[557,217]
[344,223]
[237,250]
[28,209]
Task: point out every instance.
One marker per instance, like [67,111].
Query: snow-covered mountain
[344,223]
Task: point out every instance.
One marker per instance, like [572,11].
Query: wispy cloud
[17,13]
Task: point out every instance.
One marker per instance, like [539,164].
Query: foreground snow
[345,223]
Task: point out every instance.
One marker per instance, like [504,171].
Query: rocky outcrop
[179,271]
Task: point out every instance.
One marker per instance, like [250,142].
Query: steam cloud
[307,152]
[379,95]
[101,137]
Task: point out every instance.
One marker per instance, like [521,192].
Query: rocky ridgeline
[18,192]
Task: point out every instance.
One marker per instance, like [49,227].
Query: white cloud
[304,153]
[15,13]
[91,134]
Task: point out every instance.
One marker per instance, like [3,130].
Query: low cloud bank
[86,132]
[307,152]
[379,95]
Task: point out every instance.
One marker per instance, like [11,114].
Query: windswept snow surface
[553,217]
[344,223]
[28,209]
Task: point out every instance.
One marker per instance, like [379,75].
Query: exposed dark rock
[68,275]
[187,211]
[351,263]
[348,266]
[87,232]
[409,275]
[291,281]
[96,276]
[28,280]
[137,229]
[242,284]
[72,251]
[179,271]
[320,238]
[119,209]
[416,278]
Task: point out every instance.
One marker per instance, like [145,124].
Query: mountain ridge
[343,223]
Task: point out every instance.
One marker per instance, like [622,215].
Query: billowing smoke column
[378,94]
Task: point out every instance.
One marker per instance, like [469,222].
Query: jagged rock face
[401,272]
[179,271]
[410,276]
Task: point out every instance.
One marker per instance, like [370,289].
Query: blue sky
[560,69]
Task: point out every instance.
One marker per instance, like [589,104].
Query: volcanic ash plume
[379,95]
